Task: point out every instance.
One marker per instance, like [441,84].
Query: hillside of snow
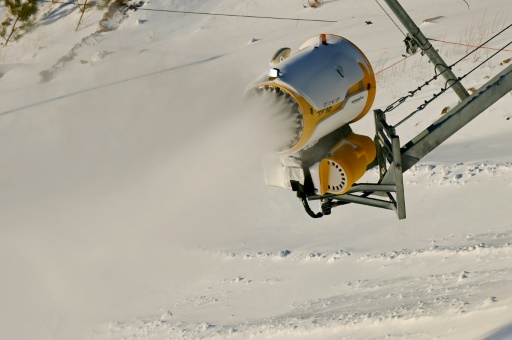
[132,198]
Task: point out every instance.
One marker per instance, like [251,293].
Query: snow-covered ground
[132,202]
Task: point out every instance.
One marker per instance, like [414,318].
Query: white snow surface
[132,199]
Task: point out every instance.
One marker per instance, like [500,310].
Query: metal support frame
[394,160]
[390,184]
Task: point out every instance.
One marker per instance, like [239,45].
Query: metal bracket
[389,189]
[411,44]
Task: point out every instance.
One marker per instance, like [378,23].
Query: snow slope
[132,201]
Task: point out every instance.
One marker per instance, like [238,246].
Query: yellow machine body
[326,85]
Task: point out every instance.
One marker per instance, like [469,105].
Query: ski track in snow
[468,273]
[471,277]
[457,174]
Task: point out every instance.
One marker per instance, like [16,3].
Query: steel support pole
[456,118]
[372,202]
[425,45]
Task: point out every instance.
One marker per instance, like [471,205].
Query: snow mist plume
[276,117]
[106,194]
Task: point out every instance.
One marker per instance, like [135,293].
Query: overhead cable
[401,100]
[454,81]
[205,13]
[233,15]
[390,18]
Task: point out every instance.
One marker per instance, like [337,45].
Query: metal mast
[424,44]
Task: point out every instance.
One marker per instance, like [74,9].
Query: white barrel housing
[330,80]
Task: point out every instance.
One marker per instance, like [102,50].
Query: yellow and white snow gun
[327,85]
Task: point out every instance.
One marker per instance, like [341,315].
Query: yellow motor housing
[347,163]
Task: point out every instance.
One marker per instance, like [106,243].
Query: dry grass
[475,35]
[312,3]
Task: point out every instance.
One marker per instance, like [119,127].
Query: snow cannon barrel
[329,81]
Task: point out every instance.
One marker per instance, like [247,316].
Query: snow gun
[329,84]
[325,86]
